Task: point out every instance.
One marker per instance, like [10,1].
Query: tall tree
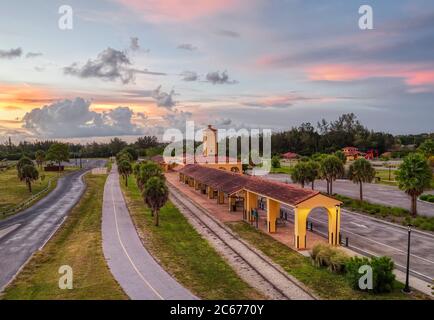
[300,173]
[414,176]
[313,172]
[58,152]
[24,161]
[28,173]
[147,171]
[156,195]
[361,171]
[125,169]
[331,168]
[427,148]
[40,157]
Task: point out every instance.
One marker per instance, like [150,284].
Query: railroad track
[262,271]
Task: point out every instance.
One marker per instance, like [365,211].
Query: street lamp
[407,287]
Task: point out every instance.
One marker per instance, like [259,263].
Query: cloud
[189,76]
[110,65]
[146,71]
[177,119]
[157,11]
[11,54]
[187,46]
[33,54]
[227,33]
[134,44]
[219,78]
[73,118]
[164,99]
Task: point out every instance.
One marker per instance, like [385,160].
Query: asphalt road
[26,232]
[375,237]
[139,275]
[372,192]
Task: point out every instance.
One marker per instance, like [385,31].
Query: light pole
[407,287]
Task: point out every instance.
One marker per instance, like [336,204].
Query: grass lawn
[282,169]
[184,253]
[391,214]
[324,283]
[14,191]
[77,244]
[384,177]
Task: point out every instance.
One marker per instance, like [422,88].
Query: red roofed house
[289,156]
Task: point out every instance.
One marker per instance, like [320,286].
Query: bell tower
[210,141]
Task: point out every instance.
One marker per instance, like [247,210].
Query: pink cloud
[418,77]
[178,10]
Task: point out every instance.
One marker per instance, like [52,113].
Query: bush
[275,162]
[383,279]
[427,197]
[326,256]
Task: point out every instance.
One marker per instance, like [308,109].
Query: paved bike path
[139,275]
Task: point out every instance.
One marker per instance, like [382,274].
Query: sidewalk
[139,275]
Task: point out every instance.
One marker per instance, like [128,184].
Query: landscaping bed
[391,214]
[324,283]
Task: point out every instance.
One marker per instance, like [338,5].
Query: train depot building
[223,191]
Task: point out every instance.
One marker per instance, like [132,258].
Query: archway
[303,210]
[235,169]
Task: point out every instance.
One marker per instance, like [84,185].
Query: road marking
[125,251]
[9,229]
[359,225]
[375,241]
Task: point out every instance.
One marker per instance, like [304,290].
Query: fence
[28,201]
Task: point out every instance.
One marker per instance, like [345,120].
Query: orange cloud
[178,10]
[17,99]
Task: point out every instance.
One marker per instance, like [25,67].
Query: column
[273,208]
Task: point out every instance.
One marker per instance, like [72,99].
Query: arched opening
[321,218]
[221,168]
[318,220]
[235,169]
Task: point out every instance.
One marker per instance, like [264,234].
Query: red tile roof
[230,182]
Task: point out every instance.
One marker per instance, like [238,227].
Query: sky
[135,67]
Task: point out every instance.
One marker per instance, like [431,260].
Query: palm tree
[24,161]
[331,168]
[300,173]
[28,173]
[125,169]
[40,157]
[313,172]
[414,176]
[361,171]
[147,171]
[155,195]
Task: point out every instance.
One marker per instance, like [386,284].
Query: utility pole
[407,286]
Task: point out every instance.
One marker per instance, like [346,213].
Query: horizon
[129,68]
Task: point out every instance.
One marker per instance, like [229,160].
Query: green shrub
[383,278]
[427,197]
[324,255]
[338,261]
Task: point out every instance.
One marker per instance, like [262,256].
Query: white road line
[396,229]
[8,230]
[359,225]
[125,251]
